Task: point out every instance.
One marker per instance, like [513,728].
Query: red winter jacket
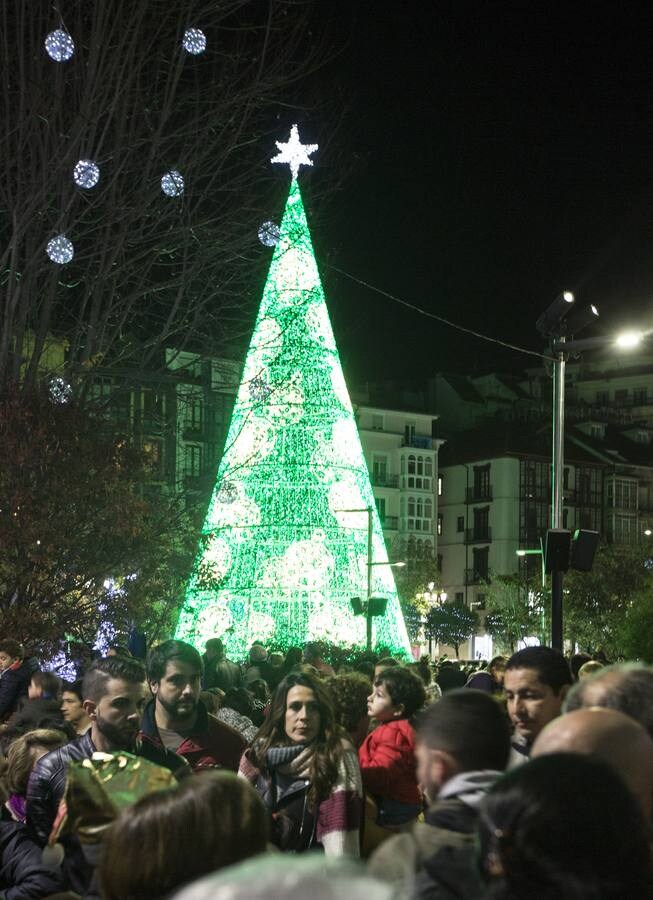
[387,761]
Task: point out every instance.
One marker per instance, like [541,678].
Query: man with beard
[176,719]
[114,697]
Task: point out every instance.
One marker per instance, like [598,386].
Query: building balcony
[386,481]
[473,576]
[479,493]
[390,523]
[419,441]
[482,535]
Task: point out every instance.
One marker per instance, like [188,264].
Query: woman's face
[302,722]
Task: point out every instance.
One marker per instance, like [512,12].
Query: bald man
[612,736]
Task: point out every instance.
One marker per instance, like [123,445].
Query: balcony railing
[479,493]
[419,441]
[473,576]
[478,535]
[381,480]
[390,523]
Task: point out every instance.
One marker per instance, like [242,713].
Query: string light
[172,183]
[268,234]
[60,250]
[281,555]
[86,174]
[59,389]
[194,41]
[59,45]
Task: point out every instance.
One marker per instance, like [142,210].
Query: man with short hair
[313,657]
[612,736]
[219,671]
[177,719]
[535,682]
[463,744]
[627,687]
[72,706]
[114,696]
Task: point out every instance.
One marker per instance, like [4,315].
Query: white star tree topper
[294,153]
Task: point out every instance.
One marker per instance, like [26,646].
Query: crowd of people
[198,776]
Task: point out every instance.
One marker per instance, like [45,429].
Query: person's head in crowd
[465,731]
[11,652]
[257,654]
[536,682]
[276,660]
[44,685]
[118,650]
[72,706]
[171,837]
[270,877]
[349,693]
[174,673]
[114,696]
[212,700]
[293,659]
[259,689]
[497,668]
[397,694]
[312,653]
[213,649]
[564,825]
[576,661]
[609,735]
[239,699]
[386,663]
[366,668]
[25,751]
[301,713]
[422,669]
[591,667]
[627,687]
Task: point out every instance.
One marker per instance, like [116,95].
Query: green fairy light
[280,556]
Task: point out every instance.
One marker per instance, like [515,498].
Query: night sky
[489,156]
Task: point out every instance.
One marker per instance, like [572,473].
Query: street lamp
[557,325]
[371,608]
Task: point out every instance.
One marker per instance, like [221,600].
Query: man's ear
[90,707]
[154,687]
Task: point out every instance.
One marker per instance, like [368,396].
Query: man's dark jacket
[48,779]
[14,684]
[22,872]
[210,743]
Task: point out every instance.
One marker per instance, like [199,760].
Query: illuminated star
[294,152]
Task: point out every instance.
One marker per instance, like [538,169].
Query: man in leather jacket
[114,691]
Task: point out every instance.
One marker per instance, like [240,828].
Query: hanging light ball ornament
[194,41]
[59,45]
[60,391]
[86,174]
[60,250]
[259,390]
[172,184]
[268,234]
[227,493]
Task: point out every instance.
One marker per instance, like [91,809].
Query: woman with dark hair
[293,660]
[563,825]
[306,770]
[171,837]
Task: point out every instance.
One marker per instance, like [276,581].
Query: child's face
[380,705]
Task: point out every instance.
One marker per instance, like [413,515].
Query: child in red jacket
[387,755]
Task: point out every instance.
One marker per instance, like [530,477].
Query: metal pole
[557,470]
[369,577]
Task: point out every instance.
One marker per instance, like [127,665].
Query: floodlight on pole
[549,323]
[629,339]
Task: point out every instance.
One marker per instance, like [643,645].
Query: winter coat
[14,684]
[39,713]
[333,826]
[210,744]
[23,876]
[48,779]
[387,761]
[435,860]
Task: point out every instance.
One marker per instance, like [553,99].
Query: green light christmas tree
[285,543]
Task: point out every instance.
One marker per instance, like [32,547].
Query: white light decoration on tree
[282,552]
[268,234]
[59,45]
[172,183]
[86,174]
[59,389]
[60,250]
[194,41]
[294,153]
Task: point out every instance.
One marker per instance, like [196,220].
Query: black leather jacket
[48,779]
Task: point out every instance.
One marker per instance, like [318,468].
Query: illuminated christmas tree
[284,546]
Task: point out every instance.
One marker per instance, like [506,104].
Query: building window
[380,469]
[193,461]
[639,396]
[380,507]
[481,561]
[482,482]
[194,413]
[377,423]
[428,467]
[459,596]
[603,398]
[622,493]
[460,523]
